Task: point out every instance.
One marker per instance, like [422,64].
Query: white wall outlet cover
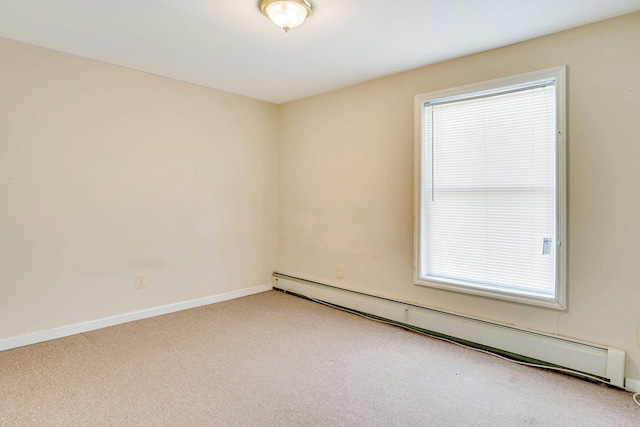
[340,271]
[141,280]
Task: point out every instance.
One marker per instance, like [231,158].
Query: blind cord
[479,350]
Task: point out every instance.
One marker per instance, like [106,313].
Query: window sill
[522,298]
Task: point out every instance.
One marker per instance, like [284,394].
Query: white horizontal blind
[489,191]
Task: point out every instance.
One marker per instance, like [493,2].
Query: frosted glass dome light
[286,14]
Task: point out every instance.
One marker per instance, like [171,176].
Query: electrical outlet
[340,271]
[141,280]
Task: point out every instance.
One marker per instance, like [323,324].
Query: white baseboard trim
[92,325]
[594,359]
[632,384]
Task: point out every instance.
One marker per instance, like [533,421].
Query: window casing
[490,202]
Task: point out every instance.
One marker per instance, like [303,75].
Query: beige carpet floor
[278,360]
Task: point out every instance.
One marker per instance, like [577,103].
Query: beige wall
[106,172]
[346,183]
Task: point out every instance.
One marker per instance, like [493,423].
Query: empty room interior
[298,212]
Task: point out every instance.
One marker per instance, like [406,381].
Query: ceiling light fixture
[286,14]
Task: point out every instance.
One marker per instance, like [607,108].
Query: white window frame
[557,73]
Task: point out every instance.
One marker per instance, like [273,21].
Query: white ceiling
[230,45]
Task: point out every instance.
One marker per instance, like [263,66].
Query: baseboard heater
[600,361]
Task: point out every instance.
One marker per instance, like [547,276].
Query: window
[490,189]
